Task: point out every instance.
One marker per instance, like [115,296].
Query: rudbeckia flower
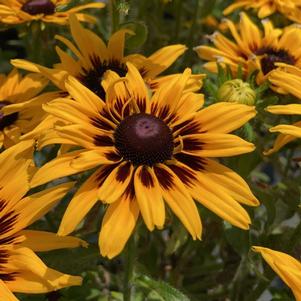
[20,105]
[49,11]
[287,267]
[253,49]
[148,151]
[291,9]
[93,58]
[21,270]
[291,85]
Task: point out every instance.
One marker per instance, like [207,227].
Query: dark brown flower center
[35,7]
[272,56]
[144,139]
[7,119]
[92,78]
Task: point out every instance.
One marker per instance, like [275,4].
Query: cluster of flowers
[146,137]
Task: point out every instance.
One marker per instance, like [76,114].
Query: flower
[236,90]
[20,106]
[49,11]
[148,150]
[291,84]
[252,49]
[21,270]
[94,58]
[287,267]
[291,9]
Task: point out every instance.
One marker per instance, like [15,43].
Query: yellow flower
[252,48]
[236,90]
[148,150]
[286,79]
[291,9]
[49,11]
[21,270]
[20,106]
[287,267]
[94,58]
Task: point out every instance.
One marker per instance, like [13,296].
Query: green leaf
[163,289]
[140,36]
[178,238]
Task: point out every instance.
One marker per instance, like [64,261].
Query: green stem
[114,13]
[178,7]
[129,259]
[190,40]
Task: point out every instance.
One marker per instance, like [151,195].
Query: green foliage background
[168,264]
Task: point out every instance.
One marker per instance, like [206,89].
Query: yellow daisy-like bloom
[21,270]
[94,58]
[252,48]
[49,11]
[291,85]
[147,150]
[287,267]
[20,106]
[291,9]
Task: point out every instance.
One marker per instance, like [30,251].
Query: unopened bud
[236,90]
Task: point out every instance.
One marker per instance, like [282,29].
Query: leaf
[238,239]
[163,289]
[177,239]
[86,259]
[139,38]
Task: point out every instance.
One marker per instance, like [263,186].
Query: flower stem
[129,259]
[114,13]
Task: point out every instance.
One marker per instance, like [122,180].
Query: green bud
[236,90]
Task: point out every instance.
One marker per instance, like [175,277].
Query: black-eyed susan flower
[93,58]
[253,49]
[148,151]
[21,270]
[291,85]
[49,11]
[287,267]
[291,9]
[20,104]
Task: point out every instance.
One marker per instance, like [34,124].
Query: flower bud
[236,90]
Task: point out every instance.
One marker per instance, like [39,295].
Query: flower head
[286,80]
[20,105]
[148,151]
[49,11]
[236,90]
[20,268]
[93,59]
[253,49]
[291,9]
[287,267]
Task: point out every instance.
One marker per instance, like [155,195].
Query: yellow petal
[163,58]
[287,267]
[57,168]
[149,197]
[117,226]
[34,276]
[225,117]
[231,182]
[40,241]
[291,109]
[114,184]
[5,293]
[179,200]
[81,203]
[33,207]
[215,145]
[222,204]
